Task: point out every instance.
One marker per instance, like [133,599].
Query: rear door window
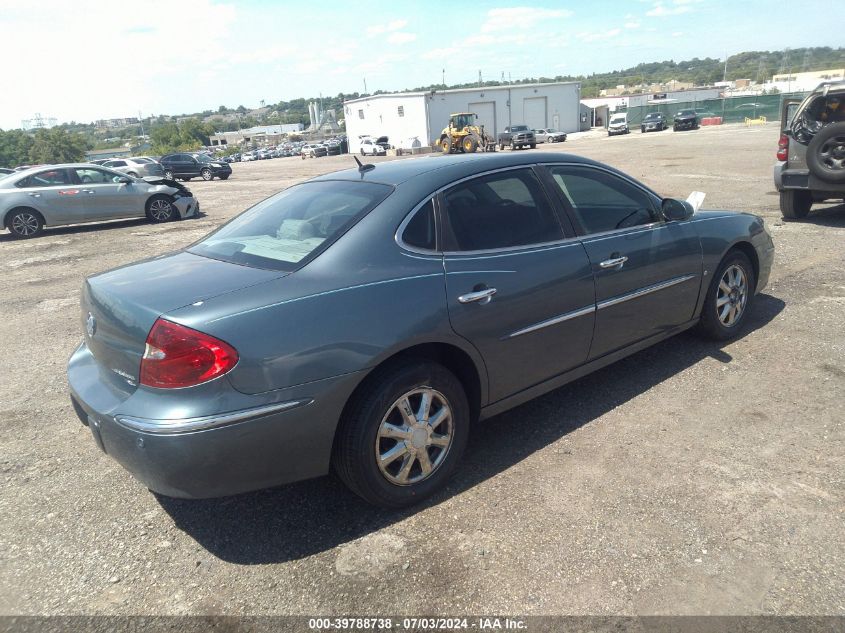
[46,178]
[501,210]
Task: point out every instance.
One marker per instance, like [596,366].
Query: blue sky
[85,59]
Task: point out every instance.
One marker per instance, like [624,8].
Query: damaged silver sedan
[55,195]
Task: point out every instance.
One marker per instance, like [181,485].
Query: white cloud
[506,19]
[395,25]
[441,53]
[401,37]
[85,83]
[633,24]
[595,36]
[660,10]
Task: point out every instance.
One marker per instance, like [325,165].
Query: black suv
[653,121]
[811,150]
[186,166]
[685,120]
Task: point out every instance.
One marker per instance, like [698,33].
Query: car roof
[39,168]
[447,168]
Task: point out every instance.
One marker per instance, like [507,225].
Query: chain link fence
[732,109]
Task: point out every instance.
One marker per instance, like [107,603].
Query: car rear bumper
[271,439]
[802,179]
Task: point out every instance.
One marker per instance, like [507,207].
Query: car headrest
[295,230]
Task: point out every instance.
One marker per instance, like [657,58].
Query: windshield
[462,120]
[618,119]
[652,116]
[282,231]
[203,158]
[686,113]
[519,128]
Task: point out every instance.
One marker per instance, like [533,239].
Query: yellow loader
[463,135]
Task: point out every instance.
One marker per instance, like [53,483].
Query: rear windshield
[293,226]
[142,161]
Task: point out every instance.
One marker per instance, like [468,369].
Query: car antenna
[363,168]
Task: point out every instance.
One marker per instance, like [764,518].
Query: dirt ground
[691,478]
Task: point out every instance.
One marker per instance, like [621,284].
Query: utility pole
[443,77]
[365,85]
[141,121]
[725,74]
[479,78]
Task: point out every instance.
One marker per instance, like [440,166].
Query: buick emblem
[91,325]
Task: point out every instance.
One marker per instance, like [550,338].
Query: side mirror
[676,210]
[124,180]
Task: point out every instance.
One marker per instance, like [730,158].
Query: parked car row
[657,122]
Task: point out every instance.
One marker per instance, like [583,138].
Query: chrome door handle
[35,195]
[616,262]
[482,296]
[88,191]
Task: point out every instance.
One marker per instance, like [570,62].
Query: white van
[618,124]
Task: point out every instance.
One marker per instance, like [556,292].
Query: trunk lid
[120,306]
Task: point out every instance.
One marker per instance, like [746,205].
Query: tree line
[55,145]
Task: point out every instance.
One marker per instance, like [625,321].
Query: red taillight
[783,147]
[177,356]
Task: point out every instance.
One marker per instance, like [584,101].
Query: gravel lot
[690,478]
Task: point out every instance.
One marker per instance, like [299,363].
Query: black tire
[24,223]
[826,153]
[533,146]
[362,152]
[446,144]
[674,128]
[513,146]
[224,176]
[710,324]
[168,174]
[354,452]
[501,147]
[160,209]
[795,203]
[469,145]
[206,174]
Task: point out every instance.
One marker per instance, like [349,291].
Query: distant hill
[758,66]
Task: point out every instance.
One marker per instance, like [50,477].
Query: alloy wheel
[161,210]
[414,436]
[731,295]
[24,224]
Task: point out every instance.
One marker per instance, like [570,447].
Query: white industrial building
[405,116]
